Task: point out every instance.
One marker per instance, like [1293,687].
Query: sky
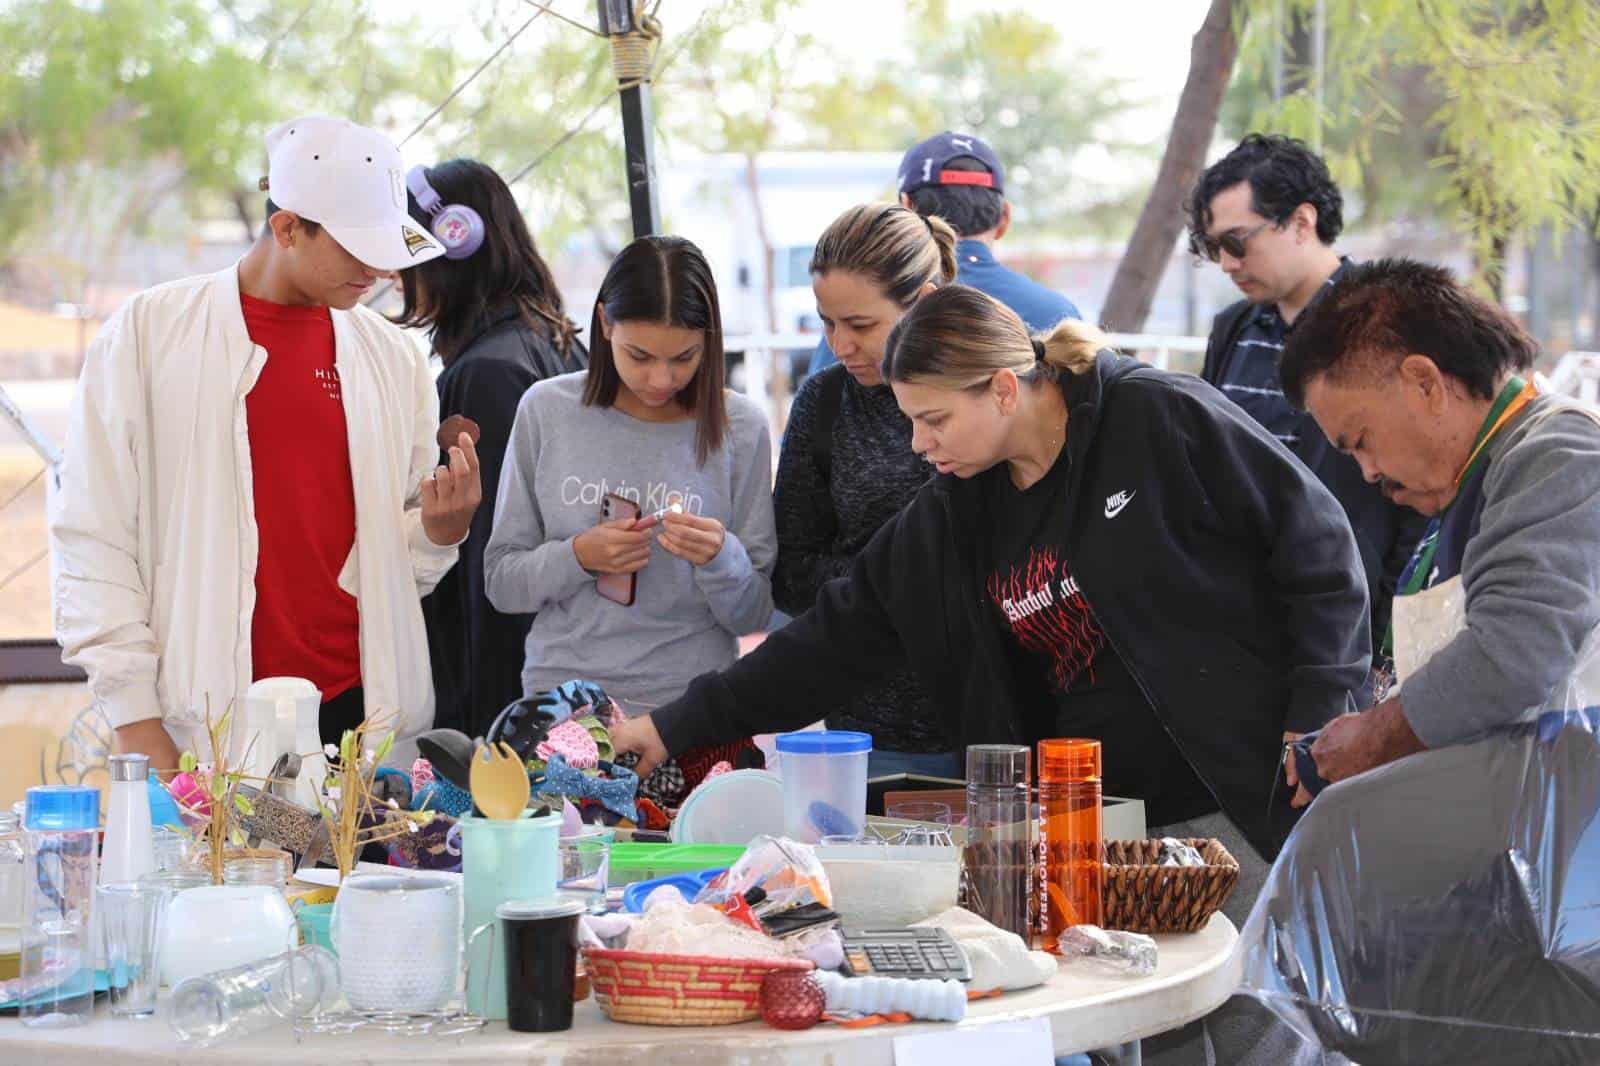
[1146,41]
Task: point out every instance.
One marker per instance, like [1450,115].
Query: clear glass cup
[170,882]
[255,871]
[920,811]
[584,867]
[13,863]
[130,917]
[171,847]
[247,999]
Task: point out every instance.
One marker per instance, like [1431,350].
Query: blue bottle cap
[824,742]
[62,807]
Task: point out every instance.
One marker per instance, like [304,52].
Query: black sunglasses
[1232,243]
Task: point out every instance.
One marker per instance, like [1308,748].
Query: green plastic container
[632,862]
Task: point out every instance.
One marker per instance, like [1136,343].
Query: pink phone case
[618,588]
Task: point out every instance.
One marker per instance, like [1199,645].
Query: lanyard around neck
[1516,395]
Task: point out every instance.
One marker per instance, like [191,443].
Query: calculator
[931,953]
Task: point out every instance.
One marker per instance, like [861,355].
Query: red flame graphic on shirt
[1046,619]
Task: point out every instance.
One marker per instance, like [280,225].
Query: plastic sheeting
[1446,908]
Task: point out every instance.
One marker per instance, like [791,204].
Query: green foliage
[135,117]
[1012,79]
[1485,113]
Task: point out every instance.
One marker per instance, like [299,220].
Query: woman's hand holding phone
[613,547]
[693,538]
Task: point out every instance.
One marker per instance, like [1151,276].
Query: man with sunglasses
[1268,213]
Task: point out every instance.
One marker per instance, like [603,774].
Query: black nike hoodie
[1237,600]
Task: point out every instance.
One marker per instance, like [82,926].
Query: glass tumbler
[130,929]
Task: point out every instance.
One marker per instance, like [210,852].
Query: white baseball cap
[350,180]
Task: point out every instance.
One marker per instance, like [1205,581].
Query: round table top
[1087,1005]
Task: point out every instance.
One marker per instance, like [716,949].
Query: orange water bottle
[1069,819]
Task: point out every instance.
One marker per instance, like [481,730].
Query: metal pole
[1319,59]
[630,59]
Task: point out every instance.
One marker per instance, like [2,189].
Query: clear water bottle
[999,851]
[61,826]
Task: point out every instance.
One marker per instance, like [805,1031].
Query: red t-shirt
[304,625]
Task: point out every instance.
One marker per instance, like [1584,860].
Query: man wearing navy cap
[958,178]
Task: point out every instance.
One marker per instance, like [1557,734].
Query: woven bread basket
[647,989]
[1141,897]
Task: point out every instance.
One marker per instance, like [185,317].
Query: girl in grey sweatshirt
[649,421]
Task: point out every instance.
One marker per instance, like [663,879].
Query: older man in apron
[1428,387]
[1439,908]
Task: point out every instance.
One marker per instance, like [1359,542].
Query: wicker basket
[646,989]
[1142,897]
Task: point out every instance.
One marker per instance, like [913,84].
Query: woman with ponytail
[847,465]
[1109,551]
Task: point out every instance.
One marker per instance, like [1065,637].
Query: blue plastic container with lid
[824,783]
[62,823]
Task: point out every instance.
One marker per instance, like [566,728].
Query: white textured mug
[399,940]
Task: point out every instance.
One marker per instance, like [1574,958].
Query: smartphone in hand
[618,588]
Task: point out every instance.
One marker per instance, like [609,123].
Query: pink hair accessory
[573,741]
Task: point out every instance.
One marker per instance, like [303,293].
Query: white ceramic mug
[215,927]
[399,940]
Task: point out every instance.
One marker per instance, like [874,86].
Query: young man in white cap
[249,488]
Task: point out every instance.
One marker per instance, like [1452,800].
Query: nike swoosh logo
[1115,504]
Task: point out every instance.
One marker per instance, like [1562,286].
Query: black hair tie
[1038,349]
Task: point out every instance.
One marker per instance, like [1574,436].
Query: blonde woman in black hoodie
[1090,562]
[1108,551]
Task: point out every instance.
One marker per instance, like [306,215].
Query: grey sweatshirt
[561,459]
[1531,576]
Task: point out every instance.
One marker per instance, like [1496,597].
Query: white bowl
[217,926]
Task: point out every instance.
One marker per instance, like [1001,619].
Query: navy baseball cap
[926,164]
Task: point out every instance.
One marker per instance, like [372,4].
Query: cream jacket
[153,532]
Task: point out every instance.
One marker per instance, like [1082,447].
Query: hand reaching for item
[450,496]
[639,736]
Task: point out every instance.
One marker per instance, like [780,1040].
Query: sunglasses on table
[1232,242]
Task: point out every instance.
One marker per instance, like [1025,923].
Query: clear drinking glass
[920,811]
[250,998]
[130,927]
[171,847]
[13,862]
[584,867]
[255,871]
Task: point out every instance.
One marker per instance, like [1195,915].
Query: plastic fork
[499,782]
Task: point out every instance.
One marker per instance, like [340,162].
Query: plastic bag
[1445,909]
[788,873]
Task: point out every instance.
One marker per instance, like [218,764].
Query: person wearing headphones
[498,323]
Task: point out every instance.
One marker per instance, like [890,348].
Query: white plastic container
[824,783]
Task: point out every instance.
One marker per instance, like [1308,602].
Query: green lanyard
[1516,395]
